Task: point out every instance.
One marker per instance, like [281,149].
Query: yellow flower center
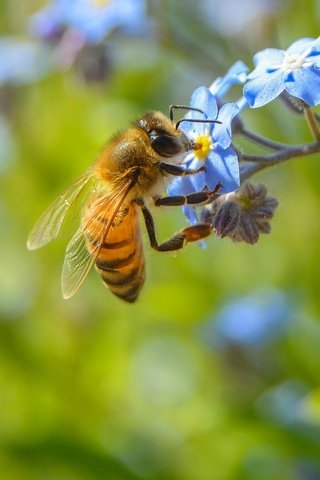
[99,3]
[204,146]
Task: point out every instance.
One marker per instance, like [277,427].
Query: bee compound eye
[166,145]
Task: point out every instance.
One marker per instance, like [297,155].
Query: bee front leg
[177,171]
[194,233]
[197,198]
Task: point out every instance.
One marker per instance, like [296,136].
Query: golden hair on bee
[130,171]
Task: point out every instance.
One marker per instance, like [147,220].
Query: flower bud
[227,218]
[246,231]
[243,215]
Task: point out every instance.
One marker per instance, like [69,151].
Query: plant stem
[262,141]
[261,162]
[312,122]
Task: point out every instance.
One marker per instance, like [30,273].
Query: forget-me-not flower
[214,149]
[93,19]
[236,74]
[296,70]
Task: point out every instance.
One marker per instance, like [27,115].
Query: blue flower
[296,70]
[21,61]
[215,151]
[251,320]
[93,19]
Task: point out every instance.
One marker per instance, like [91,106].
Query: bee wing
[78,259]
[49,224]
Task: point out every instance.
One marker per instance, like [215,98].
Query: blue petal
[46,23]
[300,46]
[202,98]
[236,74]
[222,132]
[314,58]
[181,186]
[193,129]
[305,84]
[266,59]
[185,185]
[205,101]
[264,89]
[190,214]
[223,166]
[198,181]
[189,183]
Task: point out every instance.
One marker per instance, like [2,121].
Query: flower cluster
[242,215]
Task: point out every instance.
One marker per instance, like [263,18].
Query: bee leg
[194,233]
[198,198]
[177,171]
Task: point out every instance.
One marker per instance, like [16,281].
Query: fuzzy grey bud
[247,230]
[243,215]
[227,218]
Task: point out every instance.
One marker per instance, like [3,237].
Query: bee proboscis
[130,170]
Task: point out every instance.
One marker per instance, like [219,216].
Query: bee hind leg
[194,233]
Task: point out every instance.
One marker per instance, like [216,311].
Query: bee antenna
[183,107]
[196,120]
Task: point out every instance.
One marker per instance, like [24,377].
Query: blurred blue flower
[250,320]
[93,19]
[296,70]
[215,152]
[21,61]
[236,74]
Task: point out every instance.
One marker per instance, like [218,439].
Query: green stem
[312,122]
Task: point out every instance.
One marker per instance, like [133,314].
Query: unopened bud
[243,215]
[246,231]
[227,218]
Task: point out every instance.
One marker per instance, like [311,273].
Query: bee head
[165,139]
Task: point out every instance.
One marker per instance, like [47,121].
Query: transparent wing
[49,224]
[78,259]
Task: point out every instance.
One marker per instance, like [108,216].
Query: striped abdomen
[120,262]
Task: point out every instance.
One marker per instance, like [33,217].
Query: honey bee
[131,169]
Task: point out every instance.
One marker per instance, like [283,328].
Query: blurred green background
[92,388]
